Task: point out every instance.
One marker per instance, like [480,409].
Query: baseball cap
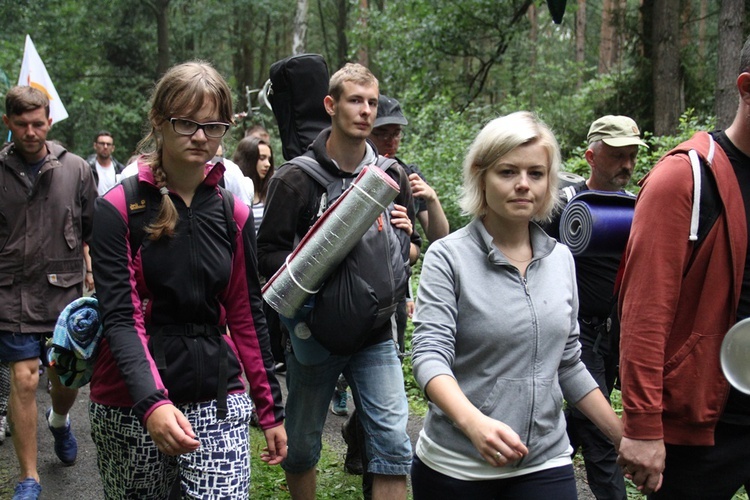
[615,131]
[389,112]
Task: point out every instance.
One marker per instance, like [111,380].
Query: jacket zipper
[530,427]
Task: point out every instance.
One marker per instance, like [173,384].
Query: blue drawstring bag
[74,342]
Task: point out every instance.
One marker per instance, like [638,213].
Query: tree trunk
[606,37]
[299,37]
[159,8]
[730,40]
[363,54]
[533,37]
[581,37]
[342,42]
[667,80]
[702,37]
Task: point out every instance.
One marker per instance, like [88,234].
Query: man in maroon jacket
[684,424]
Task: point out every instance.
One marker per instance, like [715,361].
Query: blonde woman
[495,345]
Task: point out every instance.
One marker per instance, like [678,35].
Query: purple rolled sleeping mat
[597,223]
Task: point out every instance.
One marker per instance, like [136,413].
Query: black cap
[389,112]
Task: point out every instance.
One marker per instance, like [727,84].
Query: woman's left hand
[400,219]
[275,452]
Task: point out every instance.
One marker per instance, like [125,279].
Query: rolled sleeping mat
[597,223]
[735,356]
[568,179]
[329,241]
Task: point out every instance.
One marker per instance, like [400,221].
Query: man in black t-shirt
[613,147]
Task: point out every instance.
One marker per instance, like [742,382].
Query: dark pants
[274,333]
[558,484]
[401,318]
[604,475]
[708,472]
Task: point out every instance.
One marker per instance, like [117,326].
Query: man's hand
[400,219]
[410,307]
[89,282]
[420,189]
[276,448]
[642,461]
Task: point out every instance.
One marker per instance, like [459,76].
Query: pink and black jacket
[172,306]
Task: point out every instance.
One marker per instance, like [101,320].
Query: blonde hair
[498,138]
[351,72]
[182,90]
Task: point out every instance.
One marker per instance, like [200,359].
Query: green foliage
[269,481]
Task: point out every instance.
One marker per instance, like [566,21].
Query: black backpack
[362,294]
[298,86]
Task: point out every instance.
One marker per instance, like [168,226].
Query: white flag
[34,74]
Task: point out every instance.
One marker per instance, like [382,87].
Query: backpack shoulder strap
[227,200]
[706,204]
[568,192]
[137,208]
[385,163]
[314,170]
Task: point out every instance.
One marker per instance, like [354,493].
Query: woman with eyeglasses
[181,308]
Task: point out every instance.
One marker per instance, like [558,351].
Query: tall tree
[581,36]
[666,76]
[731,17]
[606,37]
[160,8]
[299,40]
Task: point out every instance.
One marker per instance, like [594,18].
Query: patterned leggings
[4,388]
[131,466]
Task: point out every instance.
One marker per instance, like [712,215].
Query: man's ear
[6,121]
[743,85]
[329,104]
[589,155]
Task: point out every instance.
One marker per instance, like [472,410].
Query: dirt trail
[81,481]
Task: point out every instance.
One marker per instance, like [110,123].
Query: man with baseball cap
[613,147]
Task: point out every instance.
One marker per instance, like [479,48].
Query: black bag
[298,86]
[359,298]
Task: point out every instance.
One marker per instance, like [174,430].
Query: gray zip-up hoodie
[511,343]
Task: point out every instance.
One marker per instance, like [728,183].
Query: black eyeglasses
[184,126]
[105,144]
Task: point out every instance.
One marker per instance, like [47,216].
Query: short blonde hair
[498,138]
[351,72]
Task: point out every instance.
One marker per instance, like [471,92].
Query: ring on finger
[498,455]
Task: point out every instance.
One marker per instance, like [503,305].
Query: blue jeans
[377,383]
[23,346]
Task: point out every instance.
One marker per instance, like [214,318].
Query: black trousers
[708,472]
[604,475]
